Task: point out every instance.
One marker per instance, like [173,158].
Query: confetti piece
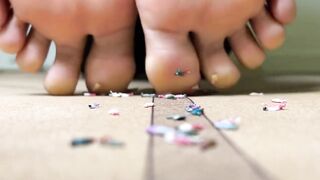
[82,141]
[278,100]
[180,96]
[256,94]
[208,144]
[228,124]
[147,95]
[117,94]
[149,105]
[159,130]
[106,140]
[177,117]
[274,107]
[179,73]
[114,112]
[89,94]
[94,106]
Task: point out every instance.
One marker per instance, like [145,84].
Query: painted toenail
[214,78]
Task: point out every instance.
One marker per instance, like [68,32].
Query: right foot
[110,65]
[168,24]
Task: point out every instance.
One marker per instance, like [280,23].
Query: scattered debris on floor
[228,124]
[89,94]
[185,134]
[276,105]
[144,95]
[208,144]
[194,109]
[149,105]
[94,106]
[172,96]
[105,140]
[278,100]
[119,94]
[177,117]
[114,112]
[256,94]
[109,141]
[82,141]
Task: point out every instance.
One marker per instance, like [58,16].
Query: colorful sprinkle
[228,124]
[177,117]
[256,94]
[149,105]
[94,106]
[147,95]
[114,112]
[119,94]
[274,107]
[82,141]
[89,94]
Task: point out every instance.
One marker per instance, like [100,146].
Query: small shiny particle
[180,96]
[117,94]
[179,73]
[274,107]
[159,130]
[278,100]
[256,94]
[82,141]
[149,105]
[106,140]
[114,112]
[177,117]
[228,124]
[94,106]
[147,95]
[89,94]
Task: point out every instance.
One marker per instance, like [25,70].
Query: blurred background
[300,54]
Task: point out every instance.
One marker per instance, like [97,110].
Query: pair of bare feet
[184,35]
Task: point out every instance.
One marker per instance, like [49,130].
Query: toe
[63,76]
[219,70]
[32,56]
[172,64]
[247,49]
[4,12]
[270,33]
[284,11]
[13,36]
[110,65]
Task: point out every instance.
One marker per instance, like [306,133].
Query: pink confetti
[275,107]
[114,112]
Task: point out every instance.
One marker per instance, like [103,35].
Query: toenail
[214,78]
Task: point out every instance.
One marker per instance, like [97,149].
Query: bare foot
[170,48]
[110,65]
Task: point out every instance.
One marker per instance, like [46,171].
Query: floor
[36,131]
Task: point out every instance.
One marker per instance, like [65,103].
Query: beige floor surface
[36,130]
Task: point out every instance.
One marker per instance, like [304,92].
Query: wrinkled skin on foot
[110,65]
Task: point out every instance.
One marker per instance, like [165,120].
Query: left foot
[167,27]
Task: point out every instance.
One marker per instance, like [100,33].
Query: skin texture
[186,35]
